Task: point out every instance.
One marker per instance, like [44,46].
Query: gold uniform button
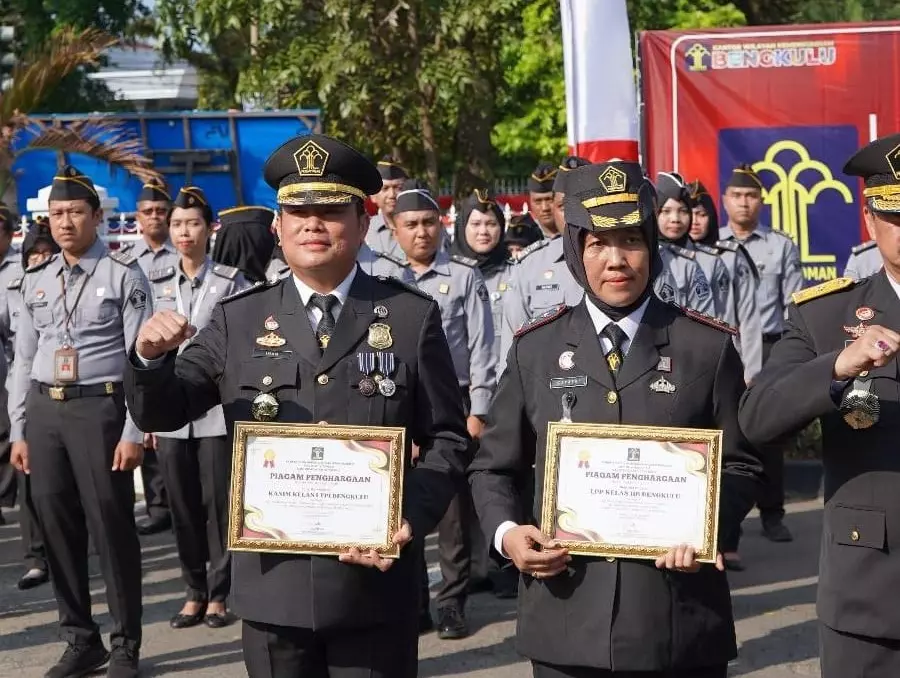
[267,380]
[322,379]
[610,560]
[612,397]
[854,535]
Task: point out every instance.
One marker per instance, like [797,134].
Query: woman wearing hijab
[479,235]
[245,240]
[195,460]
[521,232]
[621,356]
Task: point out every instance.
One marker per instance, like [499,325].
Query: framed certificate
[631,491]
[315,489]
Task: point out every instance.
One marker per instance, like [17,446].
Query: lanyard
[198,299]
[70,314]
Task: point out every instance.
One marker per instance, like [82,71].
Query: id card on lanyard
[65,358]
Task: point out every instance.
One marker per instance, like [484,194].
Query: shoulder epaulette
[42,264]
[227,272]
[709,320]
[730,245]
[512,261]
[702,247]
[782,234]
[250,290]
[822,290]
[126,247]
[859,249]
[391,258]
[542,319]
[161,274]
[534,247]
[14,284]
[121,257]
[465,261]
[409,287]
[680,251]
[278,275]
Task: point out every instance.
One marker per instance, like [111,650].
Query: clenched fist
[873,349]
[164,332]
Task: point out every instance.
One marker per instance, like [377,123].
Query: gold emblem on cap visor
[613,180]
[893,161]
[311,160]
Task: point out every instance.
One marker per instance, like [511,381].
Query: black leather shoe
[451,623]
[777,531]
[734,564]
[123,663]
[155,525]
[186,621]
[33,578]
[78,661]
[217,620]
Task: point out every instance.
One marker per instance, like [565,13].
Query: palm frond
[38,73]
[100,138]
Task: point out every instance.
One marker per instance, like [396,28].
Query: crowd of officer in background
[488,277]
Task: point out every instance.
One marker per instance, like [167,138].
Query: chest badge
[662,385]
[566,360]
[856,331]
[380,336]
[548,275]
[271,340]
[664,364]
[264,407]
[443,288]
[864,313]
[381,311]
[271,324]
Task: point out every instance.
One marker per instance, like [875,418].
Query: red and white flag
[601,102]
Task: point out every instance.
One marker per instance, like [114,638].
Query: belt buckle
[109,388]
[57,393]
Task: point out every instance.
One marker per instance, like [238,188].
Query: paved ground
[774,602]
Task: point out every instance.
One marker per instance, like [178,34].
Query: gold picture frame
[247,527]
[701,460]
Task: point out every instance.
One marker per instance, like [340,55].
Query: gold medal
[380,336]
[271,340]
[264,407]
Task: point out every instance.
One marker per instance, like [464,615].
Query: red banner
[795,102]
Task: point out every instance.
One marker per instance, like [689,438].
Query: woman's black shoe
[186,621]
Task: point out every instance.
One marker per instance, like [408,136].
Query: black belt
[772,338]
[75,391]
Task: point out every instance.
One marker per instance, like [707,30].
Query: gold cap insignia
[311,160]
[482,197]
[613,180]
[191,200]
[893,161]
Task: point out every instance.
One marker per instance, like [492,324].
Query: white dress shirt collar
[629,324]
[894,284]
[341,291]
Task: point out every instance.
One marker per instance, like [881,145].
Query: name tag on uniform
[568,382]
[547,287]
[65,364]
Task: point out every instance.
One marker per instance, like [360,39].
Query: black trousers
[771,496]
[8,481]
[71,446]
[845,655]
[197,473]
[551,671]
[29,526]
[154,485]
[389,651]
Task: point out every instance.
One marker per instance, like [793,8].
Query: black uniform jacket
[224,364]
[860,552]
[622,615]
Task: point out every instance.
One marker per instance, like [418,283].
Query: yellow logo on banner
[695,57]
[790,200]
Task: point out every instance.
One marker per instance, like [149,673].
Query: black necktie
[325,328]
[614,356]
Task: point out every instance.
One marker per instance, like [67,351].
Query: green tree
[36,22]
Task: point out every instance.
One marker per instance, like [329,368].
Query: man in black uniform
[621,356]
[311,616]
[838,362]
